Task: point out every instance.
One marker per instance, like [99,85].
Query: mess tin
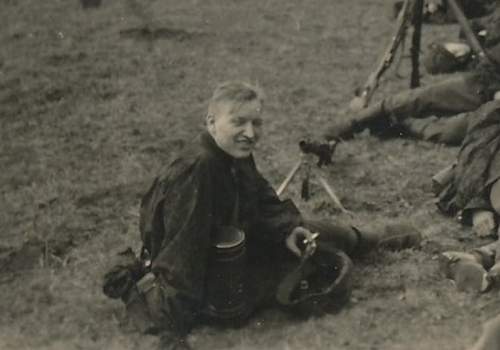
[226,293]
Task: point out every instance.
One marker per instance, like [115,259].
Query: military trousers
[435,112]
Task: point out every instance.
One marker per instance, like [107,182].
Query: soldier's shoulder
[191,160]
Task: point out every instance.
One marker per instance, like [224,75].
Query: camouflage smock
[478,164]
[195,194]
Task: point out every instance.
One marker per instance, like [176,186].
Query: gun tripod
[305,160]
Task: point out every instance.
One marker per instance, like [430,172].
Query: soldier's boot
[345,126]
[494,275]
[449,130]
[394,236]
[465,269]
[486,254]
[489,255]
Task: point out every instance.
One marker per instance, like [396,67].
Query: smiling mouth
[246,144]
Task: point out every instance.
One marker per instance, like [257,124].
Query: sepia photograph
[250,175]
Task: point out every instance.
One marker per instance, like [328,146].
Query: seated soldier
[212,185]
[473,189]
[417,109]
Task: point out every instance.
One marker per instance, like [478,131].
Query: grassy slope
[87,117]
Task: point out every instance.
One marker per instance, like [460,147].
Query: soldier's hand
[299,237]
[483,222]
[340,127]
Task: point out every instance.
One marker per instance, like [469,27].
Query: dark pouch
[144,303]
[127,269]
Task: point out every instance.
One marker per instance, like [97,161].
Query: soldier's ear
[210,122]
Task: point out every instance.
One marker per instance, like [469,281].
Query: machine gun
[323,152]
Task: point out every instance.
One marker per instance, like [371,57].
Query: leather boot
[494,275]
[400,236]
[466,270]
[486,255]
[392,236]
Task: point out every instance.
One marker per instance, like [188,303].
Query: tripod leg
[333,196]
[415,47]
[289,177]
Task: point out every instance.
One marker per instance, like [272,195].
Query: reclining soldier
[455,56]
[472,190]
[211,188]
[438,12]
[434,112]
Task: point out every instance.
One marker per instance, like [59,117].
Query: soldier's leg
[343,237]
[487,254]
[155,307]
[451,96]
[450,130]
[469,270]
[356,241]
[495,197]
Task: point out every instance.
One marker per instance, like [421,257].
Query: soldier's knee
[448,138]
[495,196]
[154,307]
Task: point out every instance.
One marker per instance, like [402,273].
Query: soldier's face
[431,6]
[236,130]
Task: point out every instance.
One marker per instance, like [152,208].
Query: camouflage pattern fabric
[478,164]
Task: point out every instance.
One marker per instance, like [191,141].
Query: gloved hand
[340,127]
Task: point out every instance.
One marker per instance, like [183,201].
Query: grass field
[91,106]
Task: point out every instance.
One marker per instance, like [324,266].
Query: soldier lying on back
[212,185]
[433,112]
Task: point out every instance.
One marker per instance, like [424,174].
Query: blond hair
[235,93]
